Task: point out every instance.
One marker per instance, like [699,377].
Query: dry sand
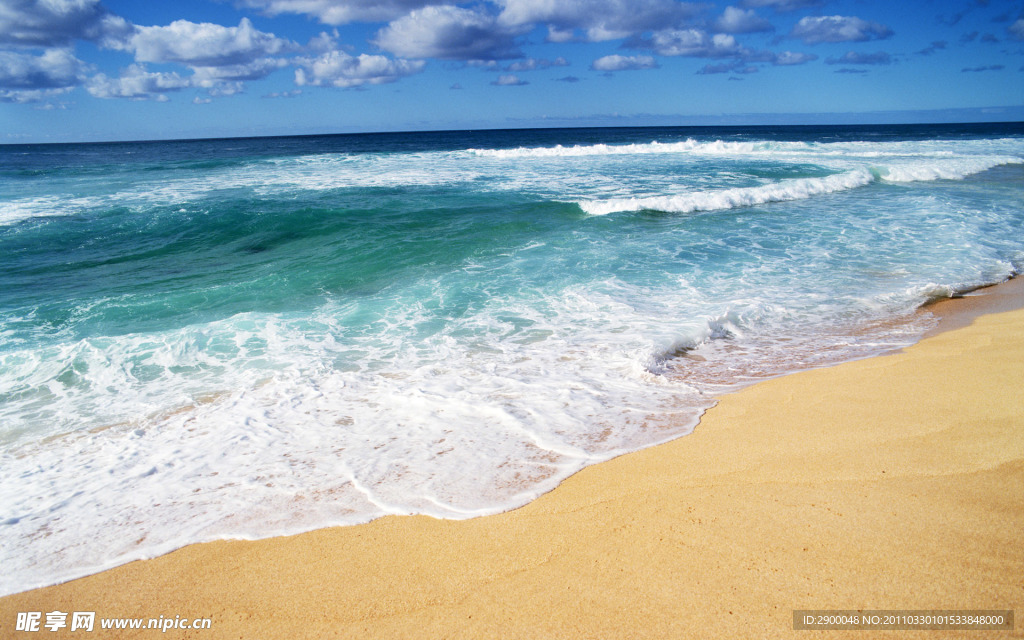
[895,482]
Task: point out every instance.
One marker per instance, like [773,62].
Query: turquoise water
[243,338]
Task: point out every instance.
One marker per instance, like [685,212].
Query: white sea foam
[264,425]
[308,429]
[13,211]
[731,198]
[942,169]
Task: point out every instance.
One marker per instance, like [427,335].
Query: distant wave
[687,146]
[853,149]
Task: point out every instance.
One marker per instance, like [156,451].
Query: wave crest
[731,198]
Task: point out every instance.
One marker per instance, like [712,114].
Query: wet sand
[895,482]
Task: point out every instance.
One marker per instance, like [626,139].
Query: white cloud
[817,29]
[52,23]
[220,57]
[509,81]
[24,96]
[532,64]
[338,12]
[54,69]
[28,78]
[734,20]
[695,43]
[284,94]
[136,83]
[339,69]
[790,58]
[600,19]
[204,44]
[623,63]
[220,88]
[449,33]
[560,35]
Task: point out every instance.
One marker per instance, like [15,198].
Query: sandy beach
[888,483]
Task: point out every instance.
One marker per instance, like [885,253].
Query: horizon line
[721,121]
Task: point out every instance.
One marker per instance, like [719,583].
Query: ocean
[242,338]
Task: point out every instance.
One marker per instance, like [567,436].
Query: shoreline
[961,310]
[719,511]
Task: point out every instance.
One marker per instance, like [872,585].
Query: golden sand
[895,482]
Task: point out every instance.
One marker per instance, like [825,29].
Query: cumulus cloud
[202,44]
[54,69]
[509,81]
[697,43]
[694,43]
[339,69]
[32,78]
[735,20]
[338,12]
[220,57]
[782,6]
[136,83]
[852,57]
[56,23]
[623,63]
[449,33]
[599,19]
[818,29]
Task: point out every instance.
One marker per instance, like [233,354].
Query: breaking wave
[732,198]
[801,188]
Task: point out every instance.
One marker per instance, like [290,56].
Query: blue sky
[87,70]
